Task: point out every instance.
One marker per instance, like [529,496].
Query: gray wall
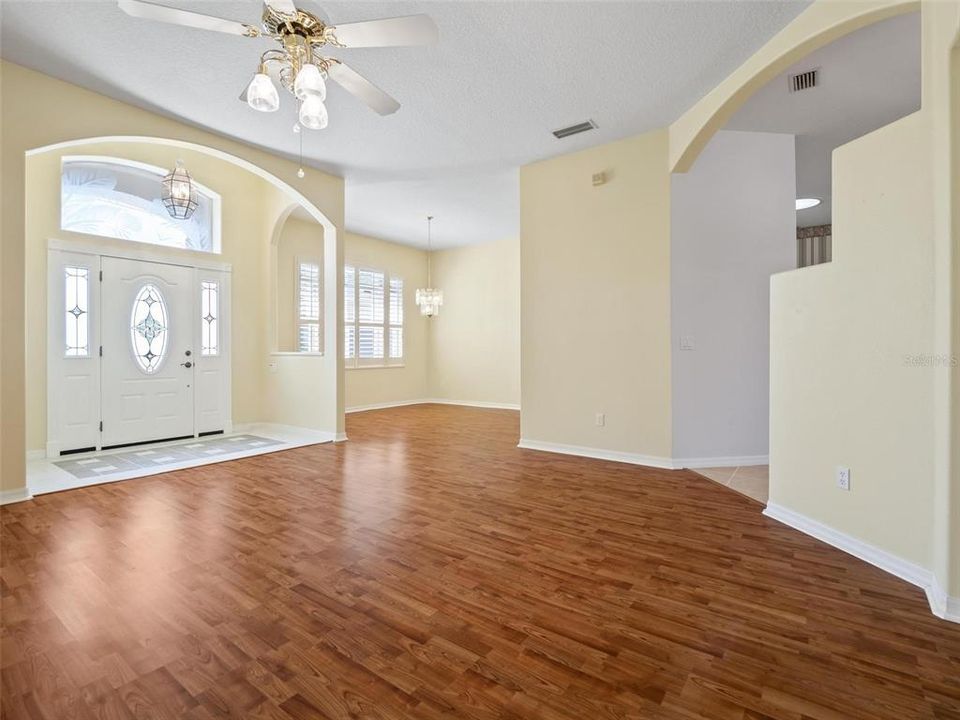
[733,224]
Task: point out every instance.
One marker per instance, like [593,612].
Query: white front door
[147,370]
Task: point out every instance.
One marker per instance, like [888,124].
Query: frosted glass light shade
[429,301]
[309,82]
[313,113]
[262,95]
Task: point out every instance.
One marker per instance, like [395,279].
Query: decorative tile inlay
[171,455]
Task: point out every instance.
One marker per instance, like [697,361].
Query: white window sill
[284,353]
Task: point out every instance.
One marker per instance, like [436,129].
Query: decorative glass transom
[76,306]
[120,199]
[209,318]
[148,328]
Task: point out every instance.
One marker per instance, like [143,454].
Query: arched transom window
[117,198]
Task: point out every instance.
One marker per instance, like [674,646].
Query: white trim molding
[8,497]
[383,406]
[297,434]
[36,455]
[941,605]
[598,453]
[474,403]
[431,401]
[730,461]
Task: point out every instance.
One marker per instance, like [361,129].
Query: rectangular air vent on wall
[574,129]
[804,80]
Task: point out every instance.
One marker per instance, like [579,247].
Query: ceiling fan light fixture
[262,95]
[309,82]
[313,113]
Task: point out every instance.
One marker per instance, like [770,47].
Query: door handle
[186,364]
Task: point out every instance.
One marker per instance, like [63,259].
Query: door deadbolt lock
[187,353]
[187,364]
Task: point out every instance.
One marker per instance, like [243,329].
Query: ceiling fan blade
[358,86]
[149,11]
[284,7]
[389,32]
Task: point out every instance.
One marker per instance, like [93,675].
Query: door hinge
[101,426]
[101,276]
[101,351]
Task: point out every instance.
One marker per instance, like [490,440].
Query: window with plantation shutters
[372,317]
[395,341]
[308,306]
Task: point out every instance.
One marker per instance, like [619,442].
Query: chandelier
[429,299]
[178,193]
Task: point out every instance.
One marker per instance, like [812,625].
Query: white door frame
[203,269]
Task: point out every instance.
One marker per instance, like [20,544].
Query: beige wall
[475,340]
[300,241]
[941,98]
[370,386]
[846,389]
[41,122]
[595,298]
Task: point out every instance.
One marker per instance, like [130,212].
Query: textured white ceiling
[474,108]
[868,79]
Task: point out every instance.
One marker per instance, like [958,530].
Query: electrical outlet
[601,419]
[843,478]
[688,342]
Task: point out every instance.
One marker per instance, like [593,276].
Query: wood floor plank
[428,568]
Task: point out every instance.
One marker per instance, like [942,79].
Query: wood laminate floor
[430,569]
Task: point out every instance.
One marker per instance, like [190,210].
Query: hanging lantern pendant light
[178,193]
[429,299]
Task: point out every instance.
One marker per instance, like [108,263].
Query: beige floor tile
[720,475]
[751,480]
[752,485]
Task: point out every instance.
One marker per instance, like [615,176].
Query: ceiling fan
[298,64]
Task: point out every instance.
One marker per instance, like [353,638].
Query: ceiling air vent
[574,129]
[804,80]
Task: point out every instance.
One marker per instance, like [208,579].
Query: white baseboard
[318,436]
[432,401]
[941,605]
[384,406]
[340,437]
[8,497]
[598,453]
[729,461]
[474,403]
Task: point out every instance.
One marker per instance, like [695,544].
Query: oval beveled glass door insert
[148,328]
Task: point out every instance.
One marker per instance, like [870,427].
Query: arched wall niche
[296,238]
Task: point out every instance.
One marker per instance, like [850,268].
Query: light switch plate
[687,342]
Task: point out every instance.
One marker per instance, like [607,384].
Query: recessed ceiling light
[804,203]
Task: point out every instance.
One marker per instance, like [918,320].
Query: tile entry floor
[153,457]
[69,472]
[750,480]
